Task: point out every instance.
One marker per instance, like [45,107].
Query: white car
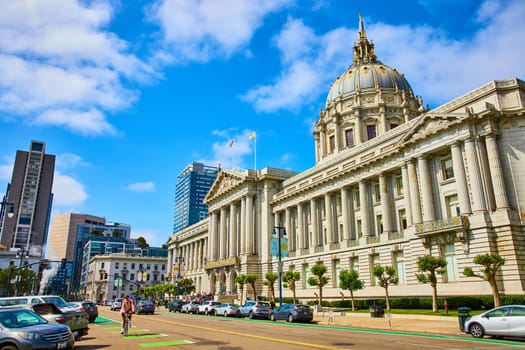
[208,307]
[503,321]
[116,304]
[190,308]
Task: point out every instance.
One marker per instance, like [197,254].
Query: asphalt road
[180,331]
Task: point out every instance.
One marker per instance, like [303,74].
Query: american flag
[231,143]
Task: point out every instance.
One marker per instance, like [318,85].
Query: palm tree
[318,279]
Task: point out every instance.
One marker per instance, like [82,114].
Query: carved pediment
[431,124]
[225,182]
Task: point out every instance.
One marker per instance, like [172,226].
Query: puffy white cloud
[204,29]
[68,193]
[58,62]
[142,187]
[438,66]
[70,160]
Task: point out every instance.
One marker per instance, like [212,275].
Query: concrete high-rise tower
[30,193]
[192,187]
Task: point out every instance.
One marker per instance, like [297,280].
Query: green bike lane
[108,329]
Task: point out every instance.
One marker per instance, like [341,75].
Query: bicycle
[126,325]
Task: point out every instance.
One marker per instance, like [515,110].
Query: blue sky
[128,93]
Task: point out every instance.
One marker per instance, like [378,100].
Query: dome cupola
[367,100]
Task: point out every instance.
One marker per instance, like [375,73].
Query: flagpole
[255,152]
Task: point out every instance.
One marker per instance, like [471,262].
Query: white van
[37,299]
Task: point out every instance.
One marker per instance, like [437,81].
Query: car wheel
[272,317]
[476,330]
[206,312]
[251,315]
[238,314]
[8,347]
[225,313]
[290,318]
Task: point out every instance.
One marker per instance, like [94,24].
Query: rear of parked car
[145,307]
[77,321]
[255,309]
[292,313]
[88,307]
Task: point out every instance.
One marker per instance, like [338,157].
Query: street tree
[491,263]
[349,280]
[430,267]
[290,279]
[270,282]
[241,281]
[251,279]
[141,242]
[386,276]
[318,279]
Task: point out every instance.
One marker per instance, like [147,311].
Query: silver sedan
[503,321]
[227,309]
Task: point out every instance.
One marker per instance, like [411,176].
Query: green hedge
[473,302]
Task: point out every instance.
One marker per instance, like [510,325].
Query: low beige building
[393,181]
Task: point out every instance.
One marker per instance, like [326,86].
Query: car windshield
[20,319]
[58,301]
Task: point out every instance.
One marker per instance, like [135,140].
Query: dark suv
[255,309]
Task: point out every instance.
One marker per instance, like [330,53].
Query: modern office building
[393,181]
[192,186]
[64,232]
[30,193]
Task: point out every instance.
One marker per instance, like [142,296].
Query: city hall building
[393,181]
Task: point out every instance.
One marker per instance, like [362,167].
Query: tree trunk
[387,300]
[495,293]
[434,298]
[352,297]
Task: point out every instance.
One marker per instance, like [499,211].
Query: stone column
[222,233]
[323,140]
[243,225]
[496,173]
[415,198]
[358,132]
[461,178]
[169,267]
[213,237]
[233,230]
[300,226]
[288,225]
[337,131]
[427,198]
[386,204]
[406,195]
[365,208]
[474,174]
[314,222]
[345,208]
[329,219]
[249,224]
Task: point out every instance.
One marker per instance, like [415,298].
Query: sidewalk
[445,325]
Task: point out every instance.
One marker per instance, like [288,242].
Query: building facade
[393,181]
[30,193]
[192,186]
[64,233]
[113,275]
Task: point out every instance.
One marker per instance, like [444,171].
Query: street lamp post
[280,231]
[22,253]
[179,260]
[11,211]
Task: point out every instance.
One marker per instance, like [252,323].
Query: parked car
[145,307]
[116,304]
[503,321]
[292,313]
[176,305]
[37,299]
[208,307]
[226,309]
[255,309]
[190,307]
[88,307]
[21,328]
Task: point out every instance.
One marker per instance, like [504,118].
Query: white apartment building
[393,181]
[113,275]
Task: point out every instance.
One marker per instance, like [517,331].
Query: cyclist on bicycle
[128,308]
